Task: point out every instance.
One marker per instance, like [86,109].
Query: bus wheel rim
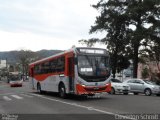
[62,91]
[38,89]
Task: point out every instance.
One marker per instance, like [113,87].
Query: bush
[145,73]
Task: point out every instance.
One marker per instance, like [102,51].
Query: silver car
[143,86]
[118,87]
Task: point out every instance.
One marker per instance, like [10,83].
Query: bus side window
[60,64]
[36,69]
[53,64]
[45,67]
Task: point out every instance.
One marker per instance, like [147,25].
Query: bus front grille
[95,88]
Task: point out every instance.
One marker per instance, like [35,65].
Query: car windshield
[150,82]
[116,81]
[14,78]
[93,65]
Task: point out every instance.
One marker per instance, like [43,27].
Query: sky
[45,24]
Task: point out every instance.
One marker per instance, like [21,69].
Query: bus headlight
[81,83]
[107,84]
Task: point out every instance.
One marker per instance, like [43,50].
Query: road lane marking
[7,98]
[27,95]
[17,97]
[86,107]
[11,93]
[4,85]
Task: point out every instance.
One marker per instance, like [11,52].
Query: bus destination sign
[92,51]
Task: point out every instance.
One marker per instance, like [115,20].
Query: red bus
[79,71]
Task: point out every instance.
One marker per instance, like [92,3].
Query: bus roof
[74,49]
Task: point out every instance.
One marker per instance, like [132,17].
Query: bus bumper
[84,90]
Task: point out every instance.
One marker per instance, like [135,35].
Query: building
[3,64]
[151,66]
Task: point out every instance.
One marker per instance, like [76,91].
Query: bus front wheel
[62,91]
[39,88]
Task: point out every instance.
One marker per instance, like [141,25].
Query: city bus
[79,71]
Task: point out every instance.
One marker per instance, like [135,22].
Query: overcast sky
[45,24]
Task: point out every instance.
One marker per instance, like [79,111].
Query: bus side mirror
[75,61]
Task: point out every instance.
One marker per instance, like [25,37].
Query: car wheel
[135,93]
[147,92]
[112,91]
[158,94]
[62,91]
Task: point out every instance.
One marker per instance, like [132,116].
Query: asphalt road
[27,104]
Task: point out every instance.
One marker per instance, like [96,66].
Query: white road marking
[27,95]
[4,85]
[86,107]
[7,98]
[17,97]
[11,93]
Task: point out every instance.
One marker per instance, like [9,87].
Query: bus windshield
[89,65]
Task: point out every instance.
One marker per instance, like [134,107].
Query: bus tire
[62,91]
[135,93]
[91,95]
[112,91]
[39,88]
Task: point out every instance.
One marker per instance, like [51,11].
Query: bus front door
[71,73]
[32,79]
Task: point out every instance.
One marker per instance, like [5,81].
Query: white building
[3,64]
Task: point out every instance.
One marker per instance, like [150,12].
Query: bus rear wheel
[39,88]
[62,91]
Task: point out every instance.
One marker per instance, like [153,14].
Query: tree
[123,63]
[129,24]
[145,73]
[155,53]
[111,20]
[151,52]
[25,57]
[144,16]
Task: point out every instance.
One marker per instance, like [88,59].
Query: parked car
[143,86]
[15,81]
[118,87]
